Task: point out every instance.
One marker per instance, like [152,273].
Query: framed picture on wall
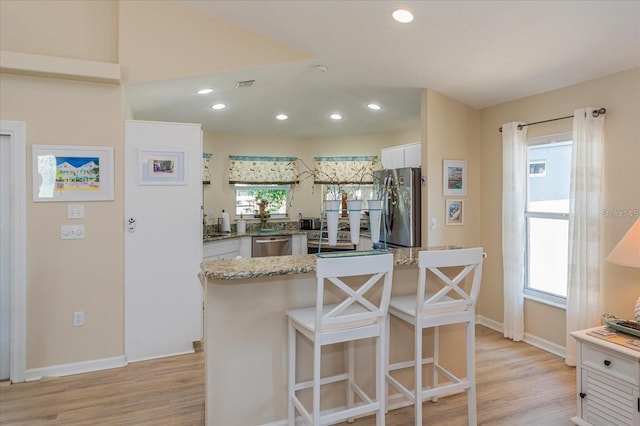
[162,167]
[72,173]
[454,177]
[454,212]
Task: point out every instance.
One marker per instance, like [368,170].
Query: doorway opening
[13,253]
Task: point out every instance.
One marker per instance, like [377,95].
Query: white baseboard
[34,374]
[149,358]
[489,323]
[530,339]
[545,345]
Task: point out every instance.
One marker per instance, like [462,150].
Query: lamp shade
[627,251]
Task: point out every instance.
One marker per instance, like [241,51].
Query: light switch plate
[75,211]
[71,232]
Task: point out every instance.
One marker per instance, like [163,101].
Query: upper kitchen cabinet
[395,157]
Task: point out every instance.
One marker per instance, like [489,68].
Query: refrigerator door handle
[391,205]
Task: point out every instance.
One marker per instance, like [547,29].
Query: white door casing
[14,248]
[163,251]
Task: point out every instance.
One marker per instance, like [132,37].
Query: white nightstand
[608,378]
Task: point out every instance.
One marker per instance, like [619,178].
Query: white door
[5,256]
[163,238]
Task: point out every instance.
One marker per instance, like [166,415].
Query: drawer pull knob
[582,395]
[607,362]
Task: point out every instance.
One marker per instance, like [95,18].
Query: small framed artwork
[72,173]
[455,212]
[454,177]
[162,167]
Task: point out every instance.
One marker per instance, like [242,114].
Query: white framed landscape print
[162,167]
[454,212]
[454,177]
[72,173]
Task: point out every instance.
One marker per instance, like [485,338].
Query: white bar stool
[356,316]
[450,304]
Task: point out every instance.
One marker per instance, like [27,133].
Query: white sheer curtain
[514,157]
[583,295]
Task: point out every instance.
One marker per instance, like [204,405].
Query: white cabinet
[230,248]
[392,158]
[221,249]
[412,155]
[395,157]
[245,247]
[608,381]
[299,244]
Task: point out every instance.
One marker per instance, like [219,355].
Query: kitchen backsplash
[279,224]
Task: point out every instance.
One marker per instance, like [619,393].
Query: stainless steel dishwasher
[274,245]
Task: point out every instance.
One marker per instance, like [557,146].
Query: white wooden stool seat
[356,315]
[446,303]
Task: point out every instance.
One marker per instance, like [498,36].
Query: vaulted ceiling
[480,53]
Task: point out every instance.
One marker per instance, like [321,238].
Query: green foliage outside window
[275,197]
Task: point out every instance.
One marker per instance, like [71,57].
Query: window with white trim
[547,217]
[248,196]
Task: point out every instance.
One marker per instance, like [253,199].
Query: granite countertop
[235,269]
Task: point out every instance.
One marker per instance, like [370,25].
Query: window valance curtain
[262,170]
[353,169]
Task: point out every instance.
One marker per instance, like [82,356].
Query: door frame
[16,130]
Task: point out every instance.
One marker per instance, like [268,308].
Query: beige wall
[78,275]
[620,94]
[220,195]
[451,133]
[148,40]
[162,40]
[64,28]
[73,275]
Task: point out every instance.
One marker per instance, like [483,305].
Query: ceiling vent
[243,84]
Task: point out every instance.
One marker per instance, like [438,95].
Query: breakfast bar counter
[246,333]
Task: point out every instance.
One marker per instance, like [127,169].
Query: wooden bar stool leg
[292,374]
[351,372]
[418,375]
[436,360]
[317,350]
[471,373]
[380,380]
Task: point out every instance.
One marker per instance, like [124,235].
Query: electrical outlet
[78,319]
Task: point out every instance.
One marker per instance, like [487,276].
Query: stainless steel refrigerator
[400,191]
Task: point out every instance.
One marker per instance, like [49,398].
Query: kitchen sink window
[248,196]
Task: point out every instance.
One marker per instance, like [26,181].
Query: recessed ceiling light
[402,15]
[374,106]
[282,116]
[335,116]
[218,106]
[204,91]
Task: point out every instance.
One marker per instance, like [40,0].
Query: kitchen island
[246,334]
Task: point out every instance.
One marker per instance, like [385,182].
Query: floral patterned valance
[262,170]
[354,169]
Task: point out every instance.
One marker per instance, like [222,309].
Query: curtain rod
[595,113]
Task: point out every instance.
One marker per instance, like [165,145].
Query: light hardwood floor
[517,384]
